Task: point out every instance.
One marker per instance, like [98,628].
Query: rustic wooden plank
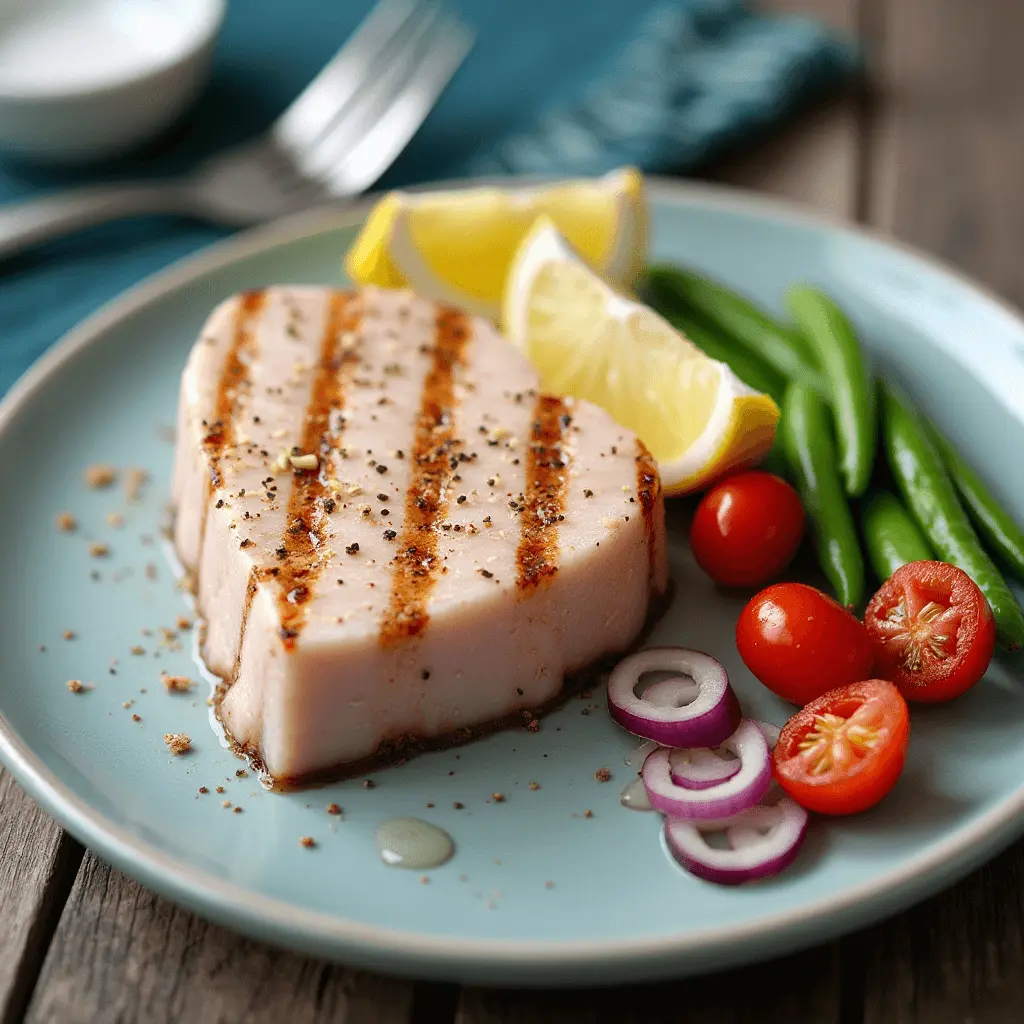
[946,162]
[122,953]
[37,867]
[815,160]
[806,987]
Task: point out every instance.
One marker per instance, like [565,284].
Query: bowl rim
[210,18]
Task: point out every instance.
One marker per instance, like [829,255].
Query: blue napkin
[552,86]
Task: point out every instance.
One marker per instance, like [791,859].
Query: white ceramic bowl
[85,79]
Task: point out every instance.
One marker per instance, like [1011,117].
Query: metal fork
[344,130]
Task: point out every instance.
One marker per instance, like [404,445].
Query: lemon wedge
[588,340]
[456,247]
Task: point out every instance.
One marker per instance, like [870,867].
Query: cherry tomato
[801,643]
[746,529]
[844,751]
[933,631]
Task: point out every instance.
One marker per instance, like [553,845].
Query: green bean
[831,338]
[748,367]
[806,434]
[994,524]
[891,536]
[931,496]
[739,319]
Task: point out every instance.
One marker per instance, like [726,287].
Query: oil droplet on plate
[634,796]
[411,843]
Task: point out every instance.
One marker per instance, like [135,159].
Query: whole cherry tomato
[746,529]
[933,631]
[801,643]
[844,751]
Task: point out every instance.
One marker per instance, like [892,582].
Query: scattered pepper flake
[203,789]
[238,810]
[69,634]
[183,623]
[100,475]
[138,651]
[424,880]
[99,550]
[67,523]
[534,786]
[134,482]
[588,813]
[225,804]
[178,743]
[498,798]
[457,805]
[176,684]
[75,685]
[308,842]
[136,718]
[220,789]
[334,809]
[241,773]
[602,774]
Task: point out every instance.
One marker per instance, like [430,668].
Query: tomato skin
[933,631]
[747,529]
[830,777]
[801,643]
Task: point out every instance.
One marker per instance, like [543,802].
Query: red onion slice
[701,767]
[762,841]
[703,720]
[771,732]
[723,800]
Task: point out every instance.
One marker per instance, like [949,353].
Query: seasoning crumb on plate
[183,623]
[136,718]
[115,519]
[308,842]
[534,786]
[99,550]
[68,634]
[588,813]
[134,481]
[549,885]
[241,773]
[66,522]
[220,789]
[127,704]
[176,684]
[602,774]
[138,651]
[424,880]
[76,686]
[178,742]
[225,804]
[203,789]
[333,809]
[100,475]
[498,798]
[238,810]
[368,784]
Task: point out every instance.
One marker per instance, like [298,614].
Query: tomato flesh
[933,631]
[747,529]
[844,752]
[801,643]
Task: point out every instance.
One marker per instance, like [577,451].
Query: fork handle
[33,221]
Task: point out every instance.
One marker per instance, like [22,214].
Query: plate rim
[442,956]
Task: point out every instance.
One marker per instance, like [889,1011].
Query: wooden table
[934,153]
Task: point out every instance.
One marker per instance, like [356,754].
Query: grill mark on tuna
[302,553]
[234,381]
[543,508]
[648,490]
[416,562]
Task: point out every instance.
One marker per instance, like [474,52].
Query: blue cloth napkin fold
[552,86]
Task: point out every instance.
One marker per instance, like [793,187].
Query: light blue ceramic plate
[618,909]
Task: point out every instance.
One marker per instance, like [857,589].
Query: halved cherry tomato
[746,529]
[801,643]
[845,750]
[933,631]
